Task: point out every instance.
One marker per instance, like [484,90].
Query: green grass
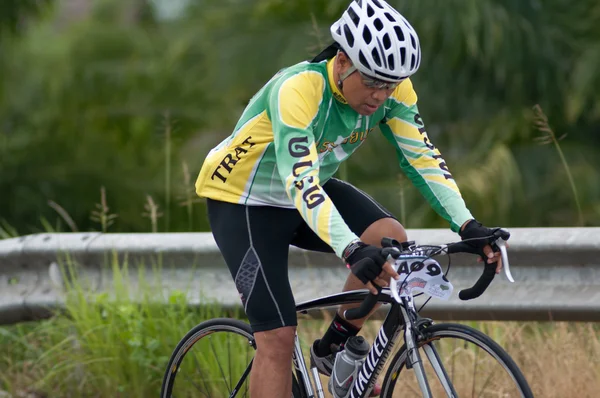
[101,345]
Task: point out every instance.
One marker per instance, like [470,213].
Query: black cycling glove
[365,261]
[474,229]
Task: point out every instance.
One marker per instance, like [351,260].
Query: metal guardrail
[557,272]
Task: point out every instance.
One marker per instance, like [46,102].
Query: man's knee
[276,343]
[384,228]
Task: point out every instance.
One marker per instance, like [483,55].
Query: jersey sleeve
[420,160]
[293,106]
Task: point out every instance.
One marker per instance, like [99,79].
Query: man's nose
[380,95]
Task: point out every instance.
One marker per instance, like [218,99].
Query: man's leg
[271,374]
[254,242]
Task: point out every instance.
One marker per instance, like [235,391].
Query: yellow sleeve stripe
[422,162]
[398,125]
[324,223]
[450,184]
[301,96]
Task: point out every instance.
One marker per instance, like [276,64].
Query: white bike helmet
[379,41]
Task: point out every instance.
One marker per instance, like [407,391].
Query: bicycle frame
[401,317]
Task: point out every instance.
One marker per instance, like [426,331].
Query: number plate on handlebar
[420,274]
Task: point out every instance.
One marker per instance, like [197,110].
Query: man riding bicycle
[270,183]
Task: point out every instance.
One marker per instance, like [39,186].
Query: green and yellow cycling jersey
[292,137]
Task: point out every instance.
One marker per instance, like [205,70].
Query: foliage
[102,345]
[123,103]
[17,14]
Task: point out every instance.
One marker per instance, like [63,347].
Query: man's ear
[343,59]
[343,62]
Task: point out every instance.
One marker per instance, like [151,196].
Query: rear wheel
[218,358]
[459,361]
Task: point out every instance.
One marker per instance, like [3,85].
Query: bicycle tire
[461,332]
[195,335]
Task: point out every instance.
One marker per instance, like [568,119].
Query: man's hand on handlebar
[472,229]
[369,265]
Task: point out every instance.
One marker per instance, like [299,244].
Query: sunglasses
[368,81]
[371,82]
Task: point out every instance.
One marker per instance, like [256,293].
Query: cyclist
[270,184]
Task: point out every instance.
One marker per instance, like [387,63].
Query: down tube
[382,346]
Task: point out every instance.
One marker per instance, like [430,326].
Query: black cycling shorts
[255,240]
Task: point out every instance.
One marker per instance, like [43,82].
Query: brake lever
[394,282]
[501,243]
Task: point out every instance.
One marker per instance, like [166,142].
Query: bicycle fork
[413,358]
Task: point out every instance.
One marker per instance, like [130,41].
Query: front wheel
[458,361]
[218,358]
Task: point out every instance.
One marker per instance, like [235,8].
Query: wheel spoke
[199,367]
[439,369]
[220,367]
[474,374]
[243,379]
[197,386]
[487,381]
[246,392]
[229,356]
[454,342]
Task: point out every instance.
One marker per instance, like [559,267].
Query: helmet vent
[414,43]
[353,16]
[390,59]
[390,17]
[378,4]
[363,60]
[378,24]
[339,30]
[387,43]
[370,11]
[402,56]
[367,35]
[412,62]
[349,36]
[399,33]
[376,57]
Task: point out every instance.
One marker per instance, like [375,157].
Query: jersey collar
[334,88]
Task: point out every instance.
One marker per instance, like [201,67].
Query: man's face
[364,100]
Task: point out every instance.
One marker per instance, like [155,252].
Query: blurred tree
[16,14]
[89,105]
[73,10]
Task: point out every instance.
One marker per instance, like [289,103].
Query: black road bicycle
[436,360]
